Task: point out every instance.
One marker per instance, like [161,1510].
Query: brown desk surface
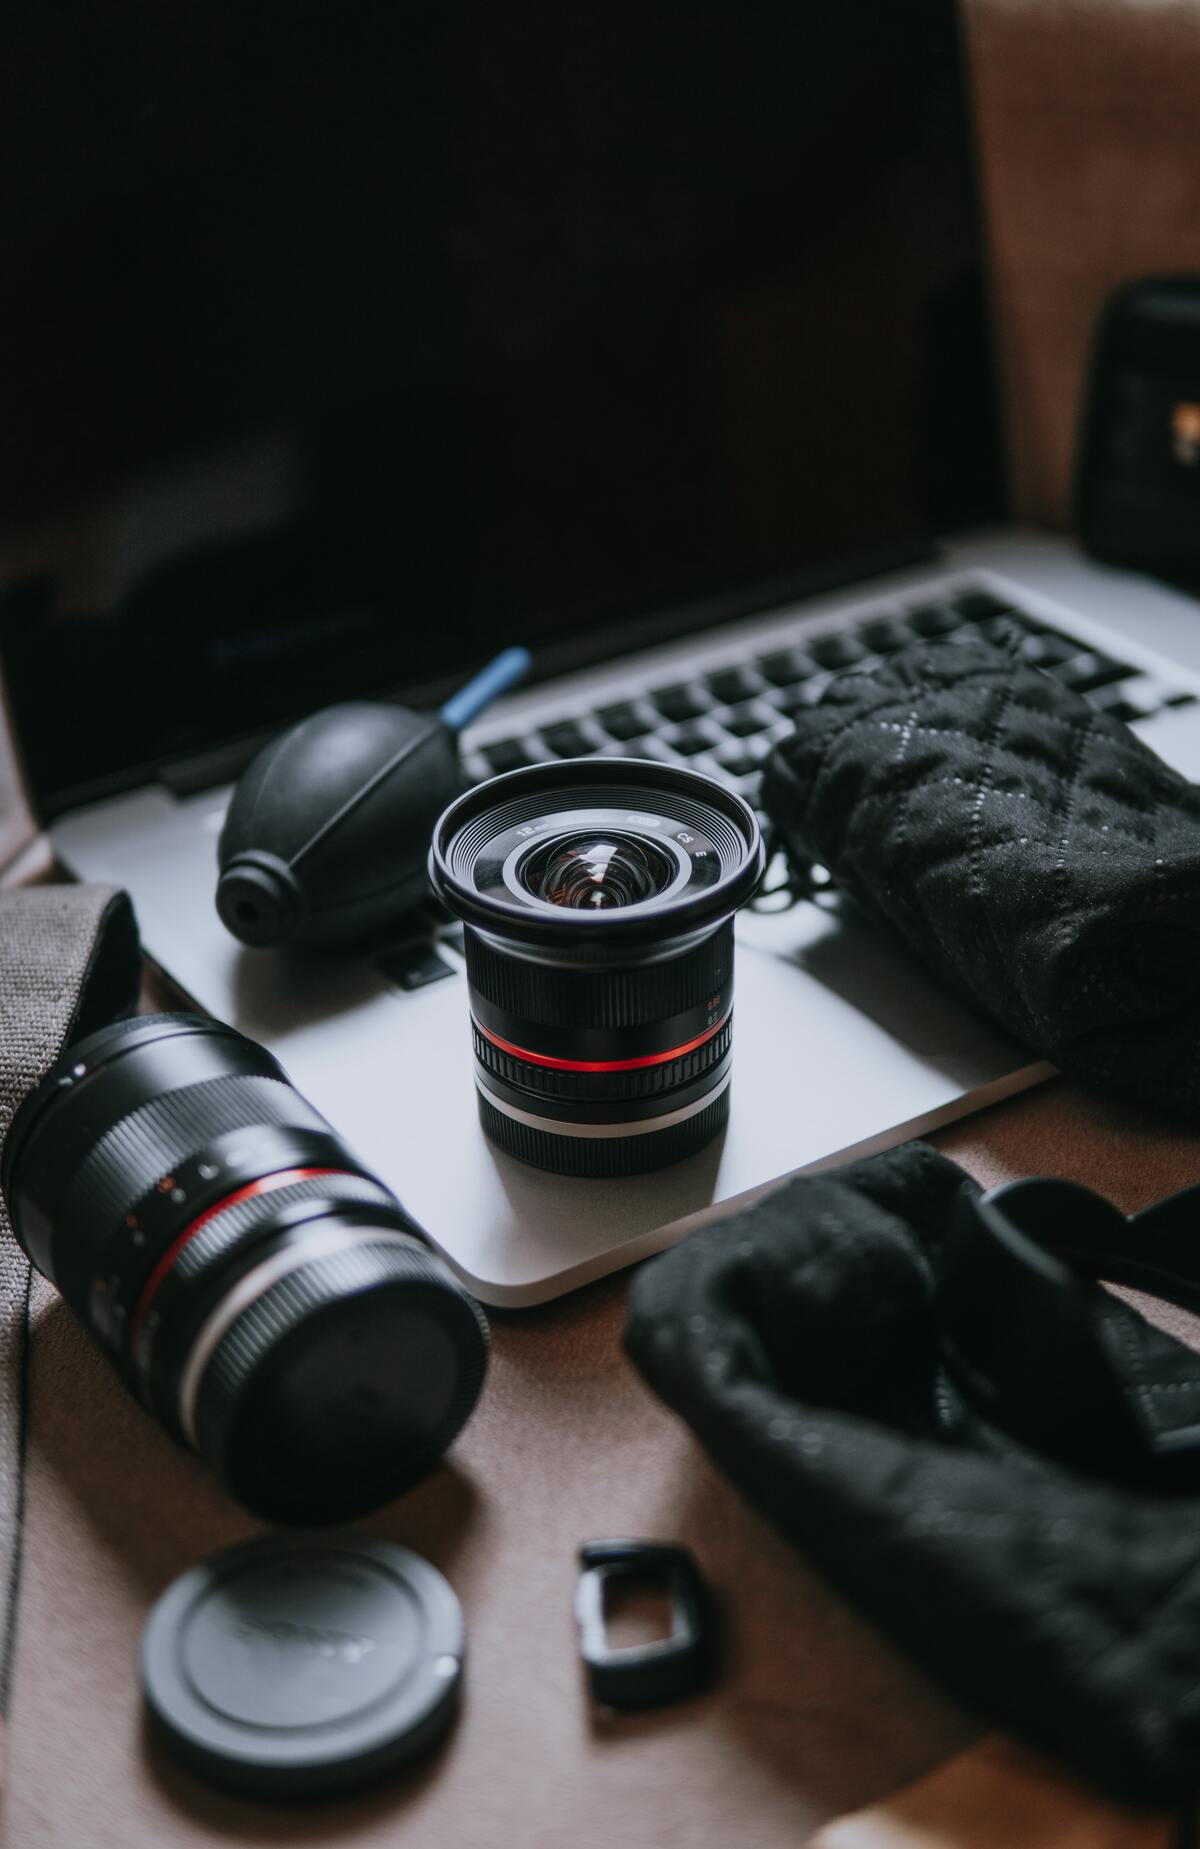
[814,1715]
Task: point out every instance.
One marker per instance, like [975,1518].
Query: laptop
[653,338]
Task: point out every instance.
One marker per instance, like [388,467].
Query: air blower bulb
[327,835]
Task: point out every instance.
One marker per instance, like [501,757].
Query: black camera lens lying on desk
[598,898]
[262,1293]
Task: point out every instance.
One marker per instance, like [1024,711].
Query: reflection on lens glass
[589,873]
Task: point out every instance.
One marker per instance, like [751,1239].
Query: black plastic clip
[644,1675]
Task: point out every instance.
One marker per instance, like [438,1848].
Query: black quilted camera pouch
[1029,848]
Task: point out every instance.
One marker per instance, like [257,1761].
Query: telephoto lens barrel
[259,1290]
[598,898]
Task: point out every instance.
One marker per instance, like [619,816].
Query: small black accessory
[805,1341]
[266,1298]
[1026,845]
[598,897]
[286,1667]
[1138,478]
[644,1675]
[1036,1347]
[326,836]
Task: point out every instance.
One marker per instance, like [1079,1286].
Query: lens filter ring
[665,813]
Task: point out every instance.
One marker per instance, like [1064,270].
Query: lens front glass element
[597,872]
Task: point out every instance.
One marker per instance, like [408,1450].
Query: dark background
[374,336]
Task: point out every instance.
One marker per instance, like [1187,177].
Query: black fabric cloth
[799,1340]
[1030,849]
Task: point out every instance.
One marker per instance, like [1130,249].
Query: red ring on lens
[601,1065]
[264,1184]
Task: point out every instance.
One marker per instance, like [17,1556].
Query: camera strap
[1035,1345]
[69,962]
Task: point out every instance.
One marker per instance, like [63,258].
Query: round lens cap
[291,1666]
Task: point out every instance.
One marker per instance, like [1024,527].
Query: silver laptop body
[842,1044]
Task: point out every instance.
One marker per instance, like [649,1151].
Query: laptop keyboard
[726,721]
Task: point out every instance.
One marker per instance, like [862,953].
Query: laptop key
[799,699]
[1087,671]
[621,722]
[689,741]
[746,721]
[508,754]
[1151,695]
[974,606]
[730,685]
[568,740]
[740,763]
[785,667]
[679,703]
[883,635]
[840,650]
[1047,646]
[1123,700]
[933,620]
[1002,630]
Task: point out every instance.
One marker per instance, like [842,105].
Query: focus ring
[254,1337]
[604,1087]
[150,1141]
[601,998]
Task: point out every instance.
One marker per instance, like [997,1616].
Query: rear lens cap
[292,1667]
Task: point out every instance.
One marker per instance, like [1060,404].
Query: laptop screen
[343,345]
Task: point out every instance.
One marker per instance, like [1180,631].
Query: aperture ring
[611,998]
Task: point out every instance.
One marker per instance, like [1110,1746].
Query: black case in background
[1138,480]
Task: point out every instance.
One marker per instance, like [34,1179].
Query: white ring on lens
[249,1288]
[641,1126]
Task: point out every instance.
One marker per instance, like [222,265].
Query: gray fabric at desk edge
[68,962]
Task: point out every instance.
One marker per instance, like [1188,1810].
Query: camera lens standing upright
[263,1294]
[598,898]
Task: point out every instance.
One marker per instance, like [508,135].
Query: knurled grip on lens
[644,1082]
[628,996]
[149,1142]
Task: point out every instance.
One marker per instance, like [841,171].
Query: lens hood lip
[646,922]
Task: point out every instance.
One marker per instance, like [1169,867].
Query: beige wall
[1089,116]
